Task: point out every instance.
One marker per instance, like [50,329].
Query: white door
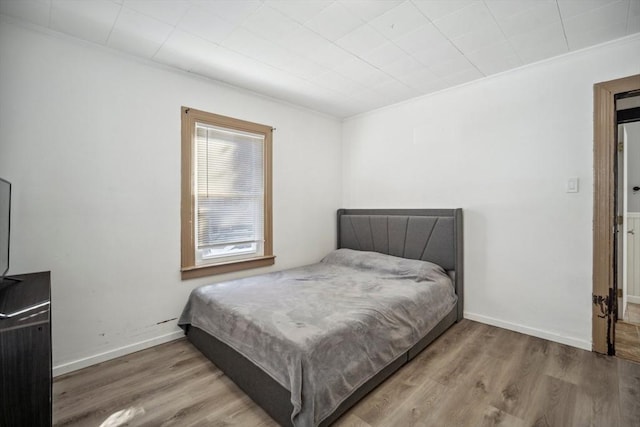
[625,220]
[631,249]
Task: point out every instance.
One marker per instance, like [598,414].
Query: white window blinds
[229,194]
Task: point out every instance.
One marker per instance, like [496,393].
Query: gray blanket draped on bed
[323,330]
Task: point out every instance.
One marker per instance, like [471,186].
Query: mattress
[323,330]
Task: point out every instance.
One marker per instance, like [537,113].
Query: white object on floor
[122,417]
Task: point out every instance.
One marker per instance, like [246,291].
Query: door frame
[604,155]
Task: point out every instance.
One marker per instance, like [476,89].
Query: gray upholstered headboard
[433,235]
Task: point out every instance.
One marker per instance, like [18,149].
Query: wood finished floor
[628,341]
[632,313]
[474,375]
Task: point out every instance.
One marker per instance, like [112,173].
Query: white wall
[502,149]
[632,291]
[91,141]
[632,246]
[633,170]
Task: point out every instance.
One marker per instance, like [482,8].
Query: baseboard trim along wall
[75,365]
[633,299]
[573,342]
[65,368]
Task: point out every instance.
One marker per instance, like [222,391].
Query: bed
[307,343]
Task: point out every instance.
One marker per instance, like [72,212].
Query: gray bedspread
[323,330]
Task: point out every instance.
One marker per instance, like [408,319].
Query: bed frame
[434,235]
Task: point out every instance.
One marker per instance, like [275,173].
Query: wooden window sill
[227,267]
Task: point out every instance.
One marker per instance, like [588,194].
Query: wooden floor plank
[629,391]
[553,403]
[628,341]
[521,382]
[599,389]
[473,375]
[418,409]
[494,417]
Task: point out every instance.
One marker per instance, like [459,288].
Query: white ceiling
[340,57]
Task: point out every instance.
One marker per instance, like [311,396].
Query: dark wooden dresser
[25,351]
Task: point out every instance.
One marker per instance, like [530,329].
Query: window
[226,194]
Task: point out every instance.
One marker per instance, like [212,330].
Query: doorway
[605,223]
[627,315]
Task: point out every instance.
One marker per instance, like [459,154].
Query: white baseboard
[122,351]
[551,336]
[112,354]
[633,299]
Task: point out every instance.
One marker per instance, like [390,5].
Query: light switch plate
[573,185]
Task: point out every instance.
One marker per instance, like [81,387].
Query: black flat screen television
[5,226]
